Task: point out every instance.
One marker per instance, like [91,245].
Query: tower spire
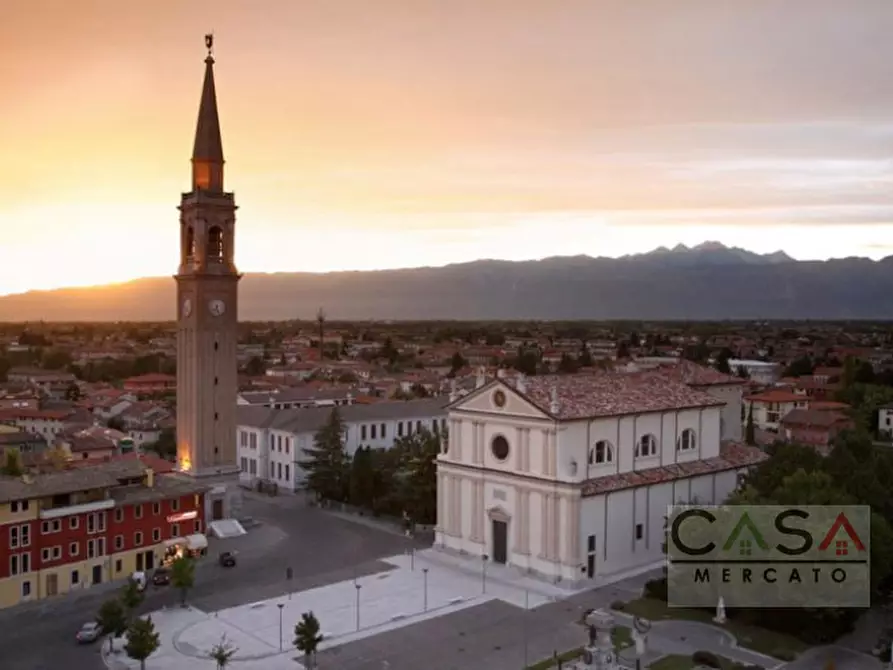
[207,152]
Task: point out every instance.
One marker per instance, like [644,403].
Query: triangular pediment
[487,399]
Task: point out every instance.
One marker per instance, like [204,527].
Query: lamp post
[484,558]
[425,577]
[280,605]
[358,587]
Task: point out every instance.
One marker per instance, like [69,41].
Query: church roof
[208,145]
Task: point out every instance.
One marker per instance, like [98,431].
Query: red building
[77,527]
[814,427]
[151,383]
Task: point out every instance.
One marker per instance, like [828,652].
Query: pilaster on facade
[455,438]
[544,526]
[555,530]
[477,511]
[572,531]
[457,501]
[522,525]
[519,449]
[441,524]
[525,450]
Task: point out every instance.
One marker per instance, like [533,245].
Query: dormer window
[646,446]
[686,441]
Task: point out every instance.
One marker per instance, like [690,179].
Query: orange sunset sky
[366,134]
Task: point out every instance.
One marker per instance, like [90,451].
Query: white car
[88,633]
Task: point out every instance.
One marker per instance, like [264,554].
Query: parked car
[88,633]
[228,559]
[161,577]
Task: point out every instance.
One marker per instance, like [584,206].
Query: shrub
[706,658]
[618,605]
[656,589]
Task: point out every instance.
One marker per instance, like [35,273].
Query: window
[26,562]
[500,448]
[686,441]
[286,473]
[362,432]
[647,446]
[215,244]
[156,535]
[45,554]
[601,453]
[119,542]
[175,530]
[279,443]
[74,549]
[399,429]
[373,429]
[590,544]
[25,535]
[279,471]
[19,506]
[14,537]
[138,539]
[175,505]
[272,470]
[74,522]
[118,565]
[243,438]
[418,426]
[119,515]
[26,589]
[91,523]
[253,440]
[137,511]
[197,526]
[156,508]
[384,433]
[75,577]
[57,553]
[243,464]
[443,424]
[435,427]
[287,445]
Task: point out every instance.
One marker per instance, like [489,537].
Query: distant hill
[709,281]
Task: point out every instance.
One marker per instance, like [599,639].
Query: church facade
[569,477]
[207,314]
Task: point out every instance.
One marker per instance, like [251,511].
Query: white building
[770,407]
[296,397]
[569,477]
[762,372]
[271,442]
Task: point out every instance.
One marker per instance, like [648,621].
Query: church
[568,477]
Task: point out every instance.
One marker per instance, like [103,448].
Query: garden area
[620,635]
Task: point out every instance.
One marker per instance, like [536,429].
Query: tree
[131,596]
[307,638]
[800,367]
[722,361]
[327,461]
[183,576]
[567,365]
[417,454]
[362,479]
[73,392]
[222,653]
[12,463]
[321,324]
[57,457]
[456,363]
[55,359]
[116,423]
[255,366]
[585,357]
[166,444]
[742,372]
[749,429]
[112,619]
[142,640]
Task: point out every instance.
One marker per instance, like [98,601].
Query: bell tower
[207,305]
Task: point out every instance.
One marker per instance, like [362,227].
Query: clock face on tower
[216,307]
[187,307]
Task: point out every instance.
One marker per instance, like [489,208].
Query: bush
[618,605]
[706,658]
[656,589]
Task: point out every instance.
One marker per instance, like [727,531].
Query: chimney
[520,384]
[454,391]
[150,478]
[554,406]
[481,380]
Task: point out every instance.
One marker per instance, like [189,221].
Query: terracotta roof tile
[732,457]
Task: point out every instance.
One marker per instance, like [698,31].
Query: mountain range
[706,282]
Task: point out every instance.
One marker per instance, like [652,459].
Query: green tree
[73,392]
[749,429]
[131,596]
[417,454]
[12,463]
[327,462]
[142,640]
[222,653]
[112,619]
[800,367]
[166,444]
[456,363]
[585,357]
[255,366]
[307,638]
[742,372]
[567,365]
[183,576]
[362,479]
[55,359]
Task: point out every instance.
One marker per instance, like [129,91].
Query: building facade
[71,529]
[272,442]
[569,477]
[207,312]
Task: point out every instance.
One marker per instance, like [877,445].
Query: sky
[367,134]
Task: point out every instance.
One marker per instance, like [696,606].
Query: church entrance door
[500,541]
[217,511]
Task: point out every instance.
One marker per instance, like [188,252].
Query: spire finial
[209,43]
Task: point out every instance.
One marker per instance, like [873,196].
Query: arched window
[215,244]
[686,441]
[646,446]
[601,453]
[189,243]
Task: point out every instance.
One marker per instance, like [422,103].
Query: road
[319,548]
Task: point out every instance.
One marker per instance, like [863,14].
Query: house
[92,442]
[770,406]
[814,427]
[151,383]
[271,442]
[297,397]
[44,422]
[568,478]
[79,527]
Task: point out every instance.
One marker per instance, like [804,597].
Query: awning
[197,542]
[173,542]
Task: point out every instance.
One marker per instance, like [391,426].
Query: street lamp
[484,558]
[425,576]
[358,587]
[280,605]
